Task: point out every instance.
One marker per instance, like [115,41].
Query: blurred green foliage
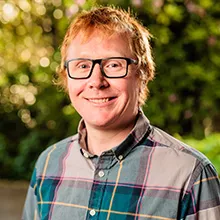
[184,99]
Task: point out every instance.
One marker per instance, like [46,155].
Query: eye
[80,64]
[83,65]
[113,64]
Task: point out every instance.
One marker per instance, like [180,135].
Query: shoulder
[165,148]
[55,151]
[163,140]
[173,158]
[170,155]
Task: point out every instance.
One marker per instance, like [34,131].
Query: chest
[143,186]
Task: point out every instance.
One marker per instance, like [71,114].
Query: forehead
[98,44]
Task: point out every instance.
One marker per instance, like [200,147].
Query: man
[118,166]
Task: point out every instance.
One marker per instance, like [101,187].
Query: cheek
[70,88]
[74,88]
[72,92]
[134,92]
[134,87]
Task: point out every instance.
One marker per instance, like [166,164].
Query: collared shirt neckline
[141,130]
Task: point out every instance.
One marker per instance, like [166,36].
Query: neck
[100,140]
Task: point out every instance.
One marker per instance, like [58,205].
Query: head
[109,21]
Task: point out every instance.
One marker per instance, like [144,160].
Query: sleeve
[202,201]
[30,211]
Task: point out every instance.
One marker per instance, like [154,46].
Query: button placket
[103,165]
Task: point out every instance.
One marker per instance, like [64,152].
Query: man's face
[103,102]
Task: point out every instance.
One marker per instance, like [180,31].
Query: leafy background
[184,99]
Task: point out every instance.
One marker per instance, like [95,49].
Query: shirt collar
[140,131]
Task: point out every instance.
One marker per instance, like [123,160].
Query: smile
[99,100]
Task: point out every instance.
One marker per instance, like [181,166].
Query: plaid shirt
[150,175]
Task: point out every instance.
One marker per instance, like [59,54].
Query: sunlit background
[184,98]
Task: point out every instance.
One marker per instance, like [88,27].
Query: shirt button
[92,212]
[101,173]
[86,155]
[120,157]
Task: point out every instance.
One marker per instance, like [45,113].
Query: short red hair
[108,21]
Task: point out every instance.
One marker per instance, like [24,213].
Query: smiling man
[118,166]
[103,86]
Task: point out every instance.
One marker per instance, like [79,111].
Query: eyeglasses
[112,67]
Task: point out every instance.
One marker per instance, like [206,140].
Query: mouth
[100,100]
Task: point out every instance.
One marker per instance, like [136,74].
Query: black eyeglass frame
[99,61]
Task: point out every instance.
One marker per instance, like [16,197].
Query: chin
[99,123]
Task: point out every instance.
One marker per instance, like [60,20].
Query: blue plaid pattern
[150,175]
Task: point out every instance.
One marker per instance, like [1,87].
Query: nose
[97,80]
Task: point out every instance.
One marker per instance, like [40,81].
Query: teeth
[99,100]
